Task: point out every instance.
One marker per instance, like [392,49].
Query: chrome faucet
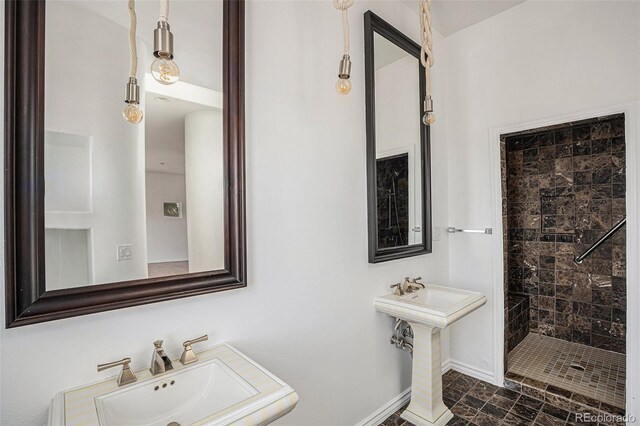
[160,362]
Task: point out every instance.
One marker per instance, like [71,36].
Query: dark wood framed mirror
[398,145]
[29,298]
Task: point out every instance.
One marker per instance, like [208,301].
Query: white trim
[631,111]
[381,414]
[469,370]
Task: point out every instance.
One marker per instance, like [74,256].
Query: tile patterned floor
[477,403]
[549,360]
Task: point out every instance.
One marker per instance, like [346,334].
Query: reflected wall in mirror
[399,201]
[106,180]
[102,213]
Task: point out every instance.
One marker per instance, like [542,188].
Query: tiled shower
[565,325]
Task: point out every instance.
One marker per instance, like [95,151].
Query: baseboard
[392,406]
[470,370]
[387,409]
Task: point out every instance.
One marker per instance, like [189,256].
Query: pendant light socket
[345,67]
[163,41]
[132,91]
[428,104]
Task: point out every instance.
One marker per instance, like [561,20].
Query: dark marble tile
[472,401]
[509,393]
[483,391]
[482,419]
[531,402]
[501,402]
[453,393]
[494,411]
[582,133]
[457,421]
[544,419]
[513,420]
[525,411]
[464,383]
[555,411]
[582,148]
[464,411]
[600,146]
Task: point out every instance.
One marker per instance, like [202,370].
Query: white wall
[307,313]
[166,237]
[205,182]
[84,96]
[536,60]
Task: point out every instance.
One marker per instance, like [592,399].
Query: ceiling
[450,16]
[197,33]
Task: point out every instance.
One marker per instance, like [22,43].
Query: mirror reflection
[131,201]
[398,145]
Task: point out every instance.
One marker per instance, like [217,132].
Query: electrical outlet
[125,251]
[437,233]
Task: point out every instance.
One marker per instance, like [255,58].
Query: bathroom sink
[427,311]
[224,387]
[434,305]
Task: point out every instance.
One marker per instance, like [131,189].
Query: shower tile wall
[565,188]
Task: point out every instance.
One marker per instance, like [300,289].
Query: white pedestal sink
[428,311]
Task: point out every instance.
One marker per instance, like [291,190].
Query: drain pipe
[401,333]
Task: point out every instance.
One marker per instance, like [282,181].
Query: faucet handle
[158,343]
[398,289]
[415,280]
[188,356]
[126,375]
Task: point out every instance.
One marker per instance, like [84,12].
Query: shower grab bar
[453,230]
[579,259]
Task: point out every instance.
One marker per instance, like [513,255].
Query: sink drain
[576,366]
[173,424]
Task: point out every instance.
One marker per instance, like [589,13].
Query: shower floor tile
[548,360]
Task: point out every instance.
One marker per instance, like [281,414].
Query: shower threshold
[578,369]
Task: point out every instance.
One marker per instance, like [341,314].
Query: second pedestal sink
[428,311]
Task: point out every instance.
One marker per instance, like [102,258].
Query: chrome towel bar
[453,230]
[579,259]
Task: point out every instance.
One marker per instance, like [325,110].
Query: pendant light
[163,68]
[426,58]
[343,85]
[131,111]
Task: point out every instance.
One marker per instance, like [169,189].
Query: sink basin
[434,305]
[427,311]
[185,398]
[224,387]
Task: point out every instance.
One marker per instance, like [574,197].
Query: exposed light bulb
[165,71]
[343,86]
[132,113]
[429,118]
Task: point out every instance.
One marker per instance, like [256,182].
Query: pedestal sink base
[426,407]
[419,421]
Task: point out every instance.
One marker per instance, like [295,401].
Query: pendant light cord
[426,37]
[164,11]
[344,5]
[133,50]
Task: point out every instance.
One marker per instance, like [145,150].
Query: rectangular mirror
[398,166]
[102,213]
